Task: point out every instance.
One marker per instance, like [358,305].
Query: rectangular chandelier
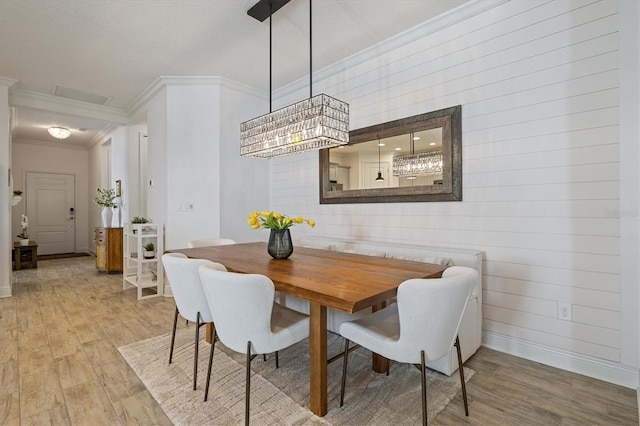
[311,124]
[420,164]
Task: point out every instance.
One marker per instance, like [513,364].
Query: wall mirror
[413,159]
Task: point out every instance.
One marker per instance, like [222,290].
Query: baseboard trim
[5,292]
[593,367]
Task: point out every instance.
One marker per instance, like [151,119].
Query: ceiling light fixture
[315,123]
[59,132]
[423,163]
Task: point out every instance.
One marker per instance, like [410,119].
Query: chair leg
[424,388]
[462,384]
[344,370]
[213,344]
[247,385]
[173,335]
[195,355]
[277,363]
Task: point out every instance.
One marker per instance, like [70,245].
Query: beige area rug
[282,396]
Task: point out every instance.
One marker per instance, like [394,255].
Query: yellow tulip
[311,223]
[264,213]
[299,219]
[277,216]
[255,225]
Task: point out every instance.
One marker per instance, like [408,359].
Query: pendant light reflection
[379,178]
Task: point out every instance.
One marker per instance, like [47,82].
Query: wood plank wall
[538,85]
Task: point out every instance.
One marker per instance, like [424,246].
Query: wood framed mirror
[413,159]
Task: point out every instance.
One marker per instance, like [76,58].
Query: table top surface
[345,281]
[32,243]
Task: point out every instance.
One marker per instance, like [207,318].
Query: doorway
[51,211]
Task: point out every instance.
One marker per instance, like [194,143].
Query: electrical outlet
[564,311]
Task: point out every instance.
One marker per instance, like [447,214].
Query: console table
[25,256]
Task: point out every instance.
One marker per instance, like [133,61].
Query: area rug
[281,396]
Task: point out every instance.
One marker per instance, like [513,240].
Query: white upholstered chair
[205,242]
[184,280]
[247,320]
[422,327]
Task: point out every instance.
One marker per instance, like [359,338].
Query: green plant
[105,197]
[149,247]
[139,219]
[17,192]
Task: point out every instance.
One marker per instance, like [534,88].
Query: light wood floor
[59,363]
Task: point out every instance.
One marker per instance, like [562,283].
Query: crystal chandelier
[318,122]
[59,132]
[412,165]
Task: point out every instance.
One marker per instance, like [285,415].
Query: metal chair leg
[462,384]
[213,344]
[344,370]
[277,363]
[424,388]
[195,355]
[173,335]
[247,385]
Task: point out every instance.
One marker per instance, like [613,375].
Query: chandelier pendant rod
[270,55]
[310,53]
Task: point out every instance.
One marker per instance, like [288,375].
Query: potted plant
[149,251]
[280,245]
[137,220]
[24,236]
[105,199]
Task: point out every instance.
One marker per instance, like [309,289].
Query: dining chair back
[184,281]
[421,327]
[246,318]
[206,242]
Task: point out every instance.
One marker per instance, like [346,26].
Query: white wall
[193,131]
[5,190]
[37,157]
[538,85]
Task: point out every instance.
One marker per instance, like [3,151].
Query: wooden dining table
[347,282]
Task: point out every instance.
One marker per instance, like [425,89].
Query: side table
[25,256]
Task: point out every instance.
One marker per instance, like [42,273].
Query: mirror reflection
[411,159]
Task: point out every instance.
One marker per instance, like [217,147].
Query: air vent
[79,95]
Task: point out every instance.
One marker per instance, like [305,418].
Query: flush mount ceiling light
[315,123]
[423,163]
[59,132]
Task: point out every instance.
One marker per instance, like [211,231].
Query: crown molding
[164,81]
[48,144]
[7,82]
[433,25]
[101,136]
[30,99]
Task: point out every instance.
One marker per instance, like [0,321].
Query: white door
[51,212]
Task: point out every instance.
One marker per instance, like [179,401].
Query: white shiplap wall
[538,85]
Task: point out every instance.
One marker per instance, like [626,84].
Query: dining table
[327,279]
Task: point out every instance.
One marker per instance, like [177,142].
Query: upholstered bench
[470,332]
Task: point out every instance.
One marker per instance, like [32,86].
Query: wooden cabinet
[109,249]
[143,270]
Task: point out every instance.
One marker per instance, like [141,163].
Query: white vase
[107,215]
[24,242]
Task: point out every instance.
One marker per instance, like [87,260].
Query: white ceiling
[117,48]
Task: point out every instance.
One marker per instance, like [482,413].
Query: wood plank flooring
[59,362]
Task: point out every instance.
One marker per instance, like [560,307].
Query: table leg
[17,256]
[379,363]
[209,332]
[318,359]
